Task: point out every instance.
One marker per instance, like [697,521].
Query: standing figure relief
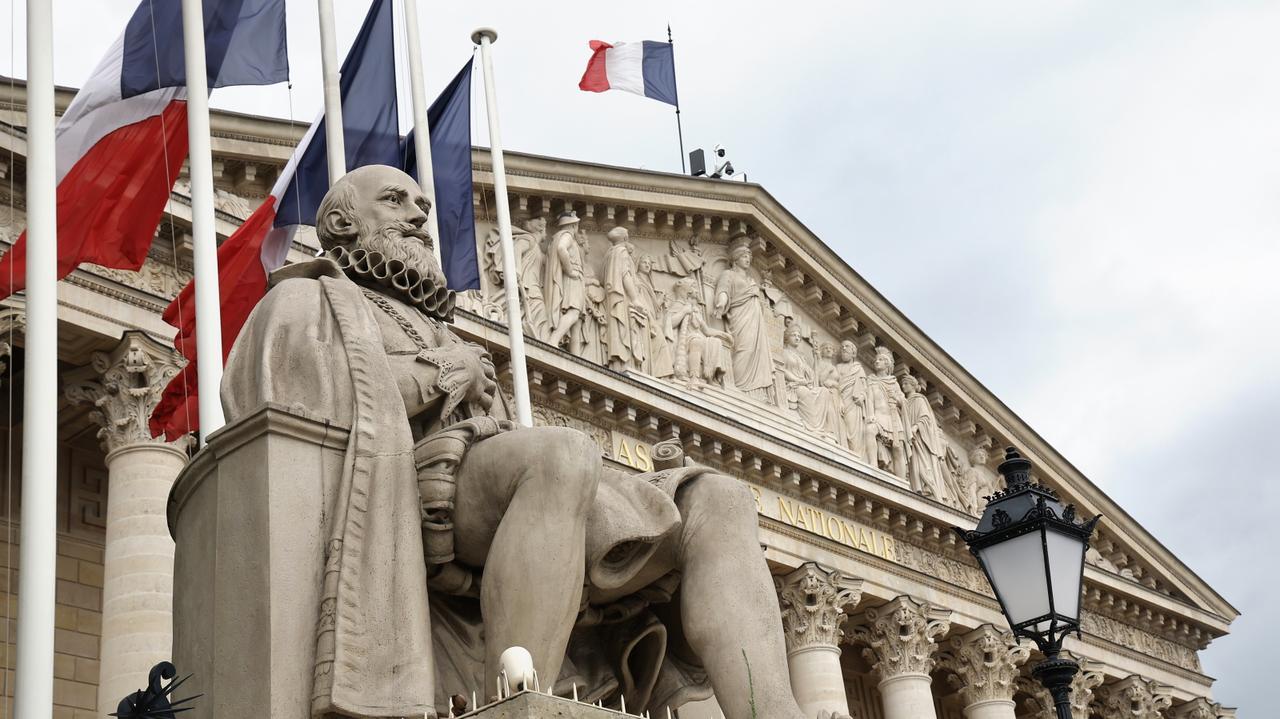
[566,285]
[738,298]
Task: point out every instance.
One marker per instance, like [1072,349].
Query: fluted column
[900,642]
[1135,698]
[137,595]
[1082,685]
[813,600]
[984,665]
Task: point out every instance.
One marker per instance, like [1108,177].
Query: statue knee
[567,465]
[729,499]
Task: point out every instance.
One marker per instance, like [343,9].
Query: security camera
[728,168]
[719,151]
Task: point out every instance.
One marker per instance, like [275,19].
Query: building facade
[656,307]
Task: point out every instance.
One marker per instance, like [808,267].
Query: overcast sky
[1079,201]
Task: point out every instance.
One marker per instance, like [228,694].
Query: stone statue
[852,385]
[654,306]
[927,446]
[977,481]
[628,326]
[594,322]
[884,415]
[616,582]
[528,243]
[701,353]
[566,284]
[817,405]
[739,299]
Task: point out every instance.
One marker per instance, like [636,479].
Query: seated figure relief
[701,352]
[457,534]
[817,403]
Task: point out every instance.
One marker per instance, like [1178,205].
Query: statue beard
[407,243]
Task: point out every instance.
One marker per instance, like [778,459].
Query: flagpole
[421,130]
[679,129]
[203,238]
[39,531]
[335,152]
[484,37]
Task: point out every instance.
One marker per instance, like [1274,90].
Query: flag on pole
[449,119]
[121,142]
[370,117]
[645,68]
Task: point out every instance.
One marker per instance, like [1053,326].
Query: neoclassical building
[716,319]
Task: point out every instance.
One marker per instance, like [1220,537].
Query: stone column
[813,600]
[124,386]
[1135,698]
[899,639]
[1082,686]
[985,665]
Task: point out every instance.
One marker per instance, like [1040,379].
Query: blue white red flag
[122,140]
[449,118]
[645,68]
[370,116]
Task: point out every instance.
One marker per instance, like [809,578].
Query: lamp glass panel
[1016,569]
[1066,563]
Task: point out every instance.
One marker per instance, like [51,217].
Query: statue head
[827,350]
[740,255]
[848,351]
[978,457]
[537,226]
[884,360]
[645,264]
[791,335]
[683,288]
[618,235]
[380,209]
[910,384]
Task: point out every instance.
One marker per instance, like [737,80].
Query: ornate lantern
[1032,550]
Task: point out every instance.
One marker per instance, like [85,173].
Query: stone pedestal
[813,601]
[899,639]
[124,386]
[249,518]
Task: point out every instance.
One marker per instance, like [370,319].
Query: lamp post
[1032,551]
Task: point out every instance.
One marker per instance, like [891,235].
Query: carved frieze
[813,601]
[547,417]
[1139,640]
[899,637]
[123,386]
[984,664]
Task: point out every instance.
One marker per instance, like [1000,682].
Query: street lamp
[1032,550]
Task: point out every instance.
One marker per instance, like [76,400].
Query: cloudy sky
[1080,201]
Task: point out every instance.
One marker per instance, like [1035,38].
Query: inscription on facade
[811,519]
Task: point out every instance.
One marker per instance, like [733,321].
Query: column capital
[984,663]
[124,386]
[899,636]
[1136,698]
[1082,685]
[813,599]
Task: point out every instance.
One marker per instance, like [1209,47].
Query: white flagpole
[38,553]
[203,237]
[484,37]
[335,151]
[421,132]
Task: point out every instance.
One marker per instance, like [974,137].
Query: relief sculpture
[566,285]
[815,402]
[885,400]
[740,300]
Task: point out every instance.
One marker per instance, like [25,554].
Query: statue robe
[752,358]
[928,447]
[817,405]
[384,648]
[627,338]
[853,409]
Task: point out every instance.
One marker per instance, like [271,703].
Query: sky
[1079,201]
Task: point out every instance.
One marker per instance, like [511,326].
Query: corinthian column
[985,665]
[137,595]
[1135,698]
[899,639]
[813,601]
[1199,708]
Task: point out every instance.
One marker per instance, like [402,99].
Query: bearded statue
[454,534]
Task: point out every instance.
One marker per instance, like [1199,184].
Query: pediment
[794,340]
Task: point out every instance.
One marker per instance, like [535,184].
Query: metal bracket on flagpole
[484,37]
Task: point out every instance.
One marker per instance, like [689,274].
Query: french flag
[645,68]
[123,139]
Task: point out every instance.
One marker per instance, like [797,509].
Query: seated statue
[455,534]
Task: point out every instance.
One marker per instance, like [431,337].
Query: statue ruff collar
[393,277]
